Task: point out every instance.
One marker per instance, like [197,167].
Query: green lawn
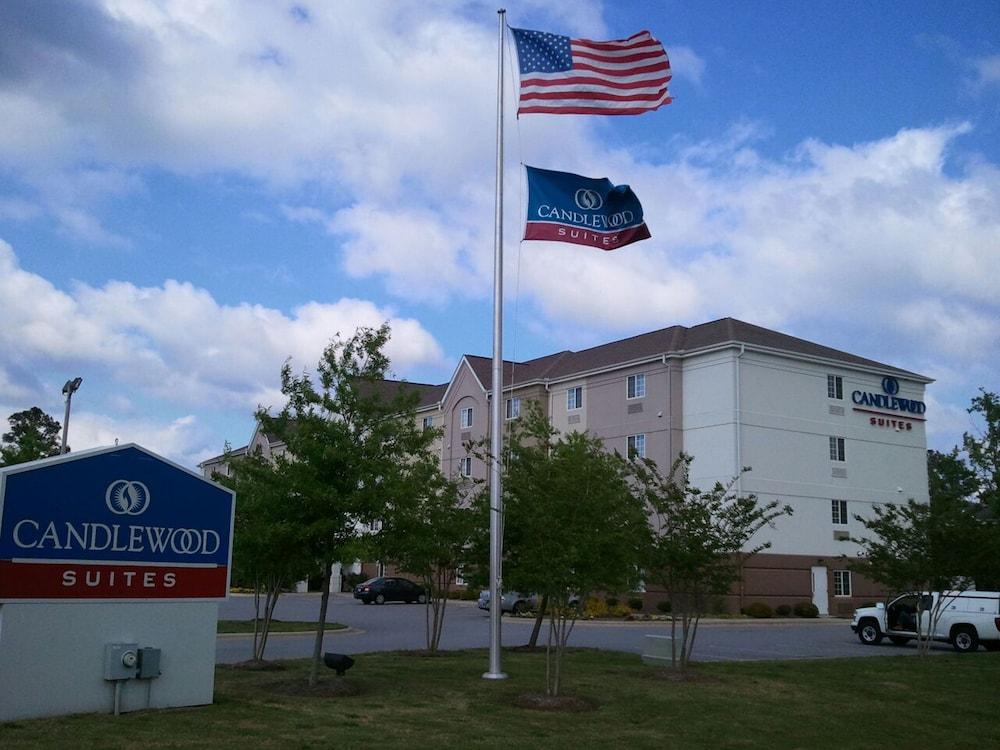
[410,701]
[277,626]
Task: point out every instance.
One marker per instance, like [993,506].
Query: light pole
[69,389]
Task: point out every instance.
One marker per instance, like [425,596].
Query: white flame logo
[588,200]
[126,498]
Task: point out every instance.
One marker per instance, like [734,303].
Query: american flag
[566,76]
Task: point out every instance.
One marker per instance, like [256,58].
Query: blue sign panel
[118,523]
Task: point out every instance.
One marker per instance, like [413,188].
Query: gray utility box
[121,661]
[149,663]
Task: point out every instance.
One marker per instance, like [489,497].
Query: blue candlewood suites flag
[565,207]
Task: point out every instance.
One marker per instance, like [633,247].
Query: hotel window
[513,408]
[428,422]
[839,512]
[574,398]
[466,418]
[837,449]
[841,583]
[465,466]
[834,386]
[636,386]
[636,446]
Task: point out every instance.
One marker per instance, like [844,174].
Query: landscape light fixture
[339,662]
[71,387]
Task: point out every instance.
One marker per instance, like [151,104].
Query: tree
[921,548]
[571,525]
[427,534]
[267,550]
[698,542]
[351,437]
[984,449]
[948,476]
[33,435]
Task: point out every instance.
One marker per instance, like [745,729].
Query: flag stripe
[594,96]
[596,79]
[589,108]
[560,75]
[546,92]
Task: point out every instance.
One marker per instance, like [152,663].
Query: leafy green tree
[351,439]
[921,548]
[33,435]
[571,525]
[427,534]
[267,550]
[949,477]
[983,449]
[698,542]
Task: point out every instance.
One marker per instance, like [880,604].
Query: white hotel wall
[709,416]
[785,425]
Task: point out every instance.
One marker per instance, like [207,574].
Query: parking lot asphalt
[392,627]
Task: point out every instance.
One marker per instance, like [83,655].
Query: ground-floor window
[841,583]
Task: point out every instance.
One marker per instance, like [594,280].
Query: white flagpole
[496,415]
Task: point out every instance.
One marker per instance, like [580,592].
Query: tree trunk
[269,604]
[539,618]
[256,615]
[321,626]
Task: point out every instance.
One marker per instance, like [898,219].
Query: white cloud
[176,342]
[686,63]
[184,439]
[17,209]
[874,232]
[987,70]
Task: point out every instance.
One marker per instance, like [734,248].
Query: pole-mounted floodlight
[71,387]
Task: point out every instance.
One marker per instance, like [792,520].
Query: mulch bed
[258,665]
[331,687]
[562,703]
[678,675]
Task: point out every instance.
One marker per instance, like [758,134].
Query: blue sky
[192,192]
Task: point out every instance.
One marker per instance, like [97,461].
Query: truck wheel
[964,639]
[869,633]
[899,640]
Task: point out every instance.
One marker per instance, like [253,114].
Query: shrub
[620,610]
[594,607]
[635,602]
[611,601]
[717,605]
[806,609]
[664,606]
[759,610]
[783,610]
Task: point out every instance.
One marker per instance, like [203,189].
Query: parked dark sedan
[385,589]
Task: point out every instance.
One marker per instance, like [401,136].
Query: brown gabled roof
[686,340]
[429,394]
[675,340]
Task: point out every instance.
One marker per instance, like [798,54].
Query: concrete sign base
[52,656]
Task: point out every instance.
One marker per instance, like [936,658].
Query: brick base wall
[784,579]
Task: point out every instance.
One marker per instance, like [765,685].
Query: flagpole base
[494,675]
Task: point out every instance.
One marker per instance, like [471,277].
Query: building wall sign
[888,400]
[118,524]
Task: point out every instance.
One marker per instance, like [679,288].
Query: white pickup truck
[968,619]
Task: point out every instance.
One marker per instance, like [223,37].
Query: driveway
[393,627]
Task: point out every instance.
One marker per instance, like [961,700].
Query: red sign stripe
[76,580]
